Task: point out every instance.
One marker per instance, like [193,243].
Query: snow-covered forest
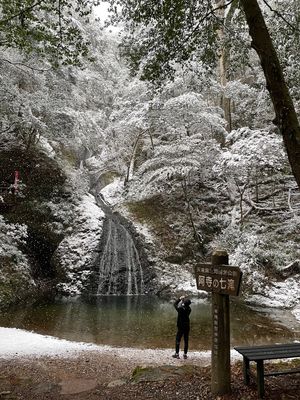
[185,151]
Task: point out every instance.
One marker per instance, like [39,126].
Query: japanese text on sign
[223,279]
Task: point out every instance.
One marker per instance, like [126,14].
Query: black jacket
[183,319]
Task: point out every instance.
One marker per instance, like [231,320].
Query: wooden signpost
[222,280]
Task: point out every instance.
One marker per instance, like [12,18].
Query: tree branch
[197,236]
[8,129]
[223,6]
[281,16]
[211,12]
[267,196]
[4,21]
[17,64]
[268,209]
[59,21]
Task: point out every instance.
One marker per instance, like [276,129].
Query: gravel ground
[108,375]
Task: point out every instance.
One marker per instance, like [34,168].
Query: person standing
[182,306]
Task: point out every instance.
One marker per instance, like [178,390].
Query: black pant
[185,333]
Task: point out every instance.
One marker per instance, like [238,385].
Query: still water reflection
[141,321]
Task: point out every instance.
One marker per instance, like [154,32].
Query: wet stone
[73,386]
[118,382]
[45,387]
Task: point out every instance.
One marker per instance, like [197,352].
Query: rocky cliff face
[34,217]
[55,238]
[78,253]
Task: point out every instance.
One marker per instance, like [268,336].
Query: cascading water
[120,269]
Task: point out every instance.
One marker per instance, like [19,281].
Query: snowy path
[18,343]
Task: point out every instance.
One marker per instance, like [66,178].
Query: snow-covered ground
[17,343]
[20,343]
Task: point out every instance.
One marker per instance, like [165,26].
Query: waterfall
[120,269]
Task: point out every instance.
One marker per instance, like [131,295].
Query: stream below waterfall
[147,322]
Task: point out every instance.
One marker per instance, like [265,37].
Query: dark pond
[140,321]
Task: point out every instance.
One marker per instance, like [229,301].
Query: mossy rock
[15,284]
[44,182]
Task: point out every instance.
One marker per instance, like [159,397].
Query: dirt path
[107,375]
[87,375]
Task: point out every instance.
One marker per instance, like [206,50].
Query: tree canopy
[47,28]
[164,33]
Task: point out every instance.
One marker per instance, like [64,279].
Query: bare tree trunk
[223,62]
[225,101]
[132,159]
[256,186]
[241,190]
[289,201]
[286,117]
[130,165]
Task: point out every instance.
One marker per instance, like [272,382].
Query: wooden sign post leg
[220,355]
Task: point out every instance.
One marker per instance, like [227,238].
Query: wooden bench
[269,352]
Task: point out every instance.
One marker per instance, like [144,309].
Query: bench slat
[269,346]
[268,352]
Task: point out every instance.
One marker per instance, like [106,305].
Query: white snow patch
[177,278]
[90,211]
[19,343]
[46,146]
[112,193]
[77,252]
[188,286]
[284,294]
[15,343]
[296,312]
